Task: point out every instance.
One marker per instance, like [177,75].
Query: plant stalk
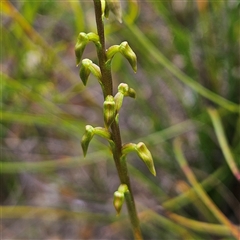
[116,136]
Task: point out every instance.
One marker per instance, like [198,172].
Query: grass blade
[223,142]
[161,59]
[199,190]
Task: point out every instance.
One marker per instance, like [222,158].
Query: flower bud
[118,200]
[115,7]
[123,91]
[87,137]
[93,37]
[123,188]
[118,100]
[132,93]
[95,70]
[146,156]
[111,51]
[102,132]
[106,10]
[123,88]
[126,90]
[127,148]
[80,46]
[128,53]
[103,6]
[142,152]
[88,67]
[109,110]
[85,71]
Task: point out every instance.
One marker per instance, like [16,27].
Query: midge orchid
[112,105]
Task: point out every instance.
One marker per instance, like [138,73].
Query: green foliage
[188,62]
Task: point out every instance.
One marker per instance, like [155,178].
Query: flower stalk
[121,166]
[111,107]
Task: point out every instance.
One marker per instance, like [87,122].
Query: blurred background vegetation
[186,112]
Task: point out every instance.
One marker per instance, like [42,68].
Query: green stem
[106,73]
[116,136]
[221,136]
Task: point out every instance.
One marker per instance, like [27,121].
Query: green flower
[87,137]
[142,152]
[118,200]
[88,67]
[129,54]
[82,41]
[109,110]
